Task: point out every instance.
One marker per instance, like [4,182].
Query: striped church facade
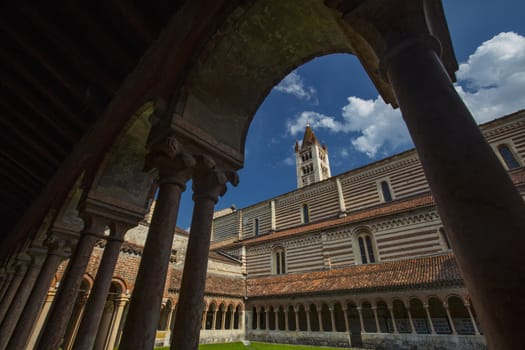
[373,216]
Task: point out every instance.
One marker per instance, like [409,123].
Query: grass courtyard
[256,346]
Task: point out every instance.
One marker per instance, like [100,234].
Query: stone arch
[438,316]
[272,323]
[314,318]
[210,314]
[419,316]
[401,319]
[460,315]
[237,316]
[301,315]
[326,318]
[281,319]
[384,320]
[229,316]
[291,318]
[219,319]
[368,317]
[339,317]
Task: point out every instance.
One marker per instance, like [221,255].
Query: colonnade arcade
[415,315]
[195,128]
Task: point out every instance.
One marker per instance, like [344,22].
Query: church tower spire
[311,160]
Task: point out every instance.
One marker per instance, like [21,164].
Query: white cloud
[492,81]
[293,84]
[289,160]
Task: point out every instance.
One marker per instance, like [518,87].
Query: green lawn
[256,346]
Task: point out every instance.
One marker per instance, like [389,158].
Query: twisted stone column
[22,294]
[208,184]
[64,302]
[87,331]
[175,169]
[59,248]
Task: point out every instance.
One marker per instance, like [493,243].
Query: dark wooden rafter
[22,72]
[61,64]
[41,109]
[41,57]
[33,128]
[76,55]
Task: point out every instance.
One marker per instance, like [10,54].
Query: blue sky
[336,96]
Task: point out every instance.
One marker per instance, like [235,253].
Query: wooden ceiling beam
[42,58]
[27,125]
[74,54]
[40,108]
[22,71]
[25,174]
[44,94]
[29,141]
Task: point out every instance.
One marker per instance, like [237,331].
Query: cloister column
[472,319]
[203,320]
[59,248]
[412,326]
[20,271]
[374,310]
[345,313]
[450,320]
[223,319]
[320,317]
[208,184]
[120,304]
[332,318]
[308,324]
[275,318]
[296,312]
[392,316]
[361,319]
[89,326]
[232,318]
[175,169]
[64,302]
[214,319]
[37,326]
[286,328]
[16,307]
[258,319]
[474,194]
[432,330]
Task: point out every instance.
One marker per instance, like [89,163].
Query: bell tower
[311,160]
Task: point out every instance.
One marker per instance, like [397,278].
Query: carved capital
[210,182]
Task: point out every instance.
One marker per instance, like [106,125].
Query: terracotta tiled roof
[424,272]
[518,176]
[373,212]
[215,284]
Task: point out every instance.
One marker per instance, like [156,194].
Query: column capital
[174,164]
[209,181]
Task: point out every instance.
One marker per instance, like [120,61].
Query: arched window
[305,213]
[366,248]
[279,261]
[256,226]
[508,157]
[385,191]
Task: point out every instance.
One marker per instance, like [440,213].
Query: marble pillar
[208,184]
